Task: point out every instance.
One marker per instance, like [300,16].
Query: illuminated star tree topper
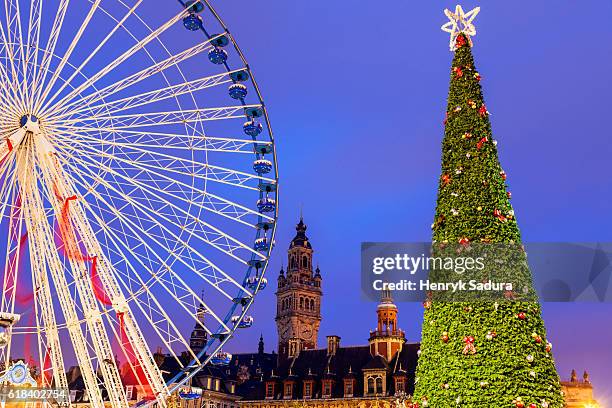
[460,22]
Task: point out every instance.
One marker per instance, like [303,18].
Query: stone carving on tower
[298,298]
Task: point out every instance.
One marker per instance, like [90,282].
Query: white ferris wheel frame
[29,86]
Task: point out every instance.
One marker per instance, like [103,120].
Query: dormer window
[288,392]
[327,388]
[270,390]
[374,383]
[400,384]
[349,383]
[308,389]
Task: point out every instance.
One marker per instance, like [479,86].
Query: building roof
[347,362]
[300,239]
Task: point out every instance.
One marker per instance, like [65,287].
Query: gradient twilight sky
[357,92]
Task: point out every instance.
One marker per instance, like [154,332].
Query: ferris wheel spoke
[177,141]
[163,140]
[152,218]
[171,91]
[11,79]
[159,67]
[228,244]
[117,26]
[153,161]
[14,30]
[49,51]
[155,314]
[32,44]
[176,281]
[8,88]
[64,60]
[167,118]
[216,204]
[119,60]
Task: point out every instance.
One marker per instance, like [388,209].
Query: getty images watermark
[557,272]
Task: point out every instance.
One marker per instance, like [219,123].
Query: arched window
[305,261]
[312,304]
[301,302]
[379,387]
[370,385]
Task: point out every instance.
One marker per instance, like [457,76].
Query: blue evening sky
[357,91]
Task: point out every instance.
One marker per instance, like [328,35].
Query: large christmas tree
[479,353]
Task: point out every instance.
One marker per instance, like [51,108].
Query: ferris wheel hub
[30,123]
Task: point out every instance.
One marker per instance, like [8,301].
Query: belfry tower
[298,298]
[387,340]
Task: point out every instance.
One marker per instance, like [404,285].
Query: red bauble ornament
[446,179]
[521,315]
[509,194]
[464,241]
[477,76]
[483,110]
[519,404]
[503,175]
[533,406]
[445,337]
[458,72]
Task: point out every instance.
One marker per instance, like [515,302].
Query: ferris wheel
[138,190]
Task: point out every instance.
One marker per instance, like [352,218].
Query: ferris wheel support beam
[141,350]
[41,237]
[38,262]
[93,319]
[139,76]
[116,62]
[11,266]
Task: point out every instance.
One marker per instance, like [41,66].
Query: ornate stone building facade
[298,310]
[579,393]
[332,376]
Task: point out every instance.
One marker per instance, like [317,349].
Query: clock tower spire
[298,298]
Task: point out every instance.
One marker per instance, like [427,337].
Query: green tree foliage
[479,353]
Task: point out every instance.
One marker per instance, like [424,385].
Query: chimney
[333,344]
